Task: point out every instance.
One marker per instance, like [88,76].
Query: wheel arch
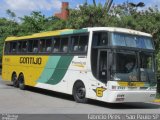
[21,73]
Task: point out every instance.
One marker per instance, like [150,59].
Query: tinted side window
[13,47]
[46,45]
[83,43]
[100,39]
[79,43]
[24,46]
[30,45]
[7,47]
[42,45]
[64,45]
[56,45]
[19,49]
[33,46]
[75,42]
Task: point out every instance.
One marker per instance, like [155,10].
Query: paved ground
[36,101]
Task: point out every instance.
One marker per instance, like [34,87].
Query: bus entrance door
[102,65]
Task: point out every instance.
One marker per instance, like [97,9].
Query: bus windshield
[126,67]
[129,68]
[147,67]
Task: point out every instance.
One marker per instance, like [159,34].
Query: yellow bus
[103,63]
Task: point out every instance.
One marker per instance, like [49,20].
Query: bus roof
[47,34]
[120,30]
[73,31]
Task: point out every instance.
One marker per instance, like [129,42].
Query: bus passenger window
[45,45]
[56,43]
[104,39]
[79,43]
[30,46]
[24,46]
[19,47]
[100,39]
[64,44]
[48,45]
[13,47]
[7,47]
[75,40]
[33,46]
[83,41]
[42,45]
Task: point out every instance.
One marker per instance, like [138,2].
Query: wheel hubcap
[21,81]
[14,79]
[81,92]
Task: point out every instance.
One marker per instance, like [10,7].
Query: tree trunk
[107,6]
[94,2]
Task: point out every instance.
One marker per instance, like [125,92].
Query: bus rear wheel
[79,92]
[21,82]
[14,80]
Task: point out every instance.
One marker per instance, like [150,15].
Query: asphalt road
[37,101]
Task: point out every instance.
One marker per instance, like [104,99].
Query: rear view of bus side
[102,63]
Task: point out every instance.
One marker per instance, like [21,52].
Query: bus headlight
[152,95]
[153,88]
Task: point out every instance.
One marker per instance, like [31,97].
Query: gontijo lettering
[31,60]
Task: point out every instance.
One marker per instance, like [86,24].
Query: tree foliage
[126,15]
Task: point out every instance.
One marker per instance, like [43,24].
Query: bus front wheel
[14,80]
[21,82]
[79,92]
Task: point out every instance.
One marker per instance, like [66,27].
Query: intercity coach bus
[103,63]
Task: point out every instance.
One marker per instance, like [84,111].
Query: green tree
[11,14]
[85,16]
[33,23]
[7,28]
[126,15]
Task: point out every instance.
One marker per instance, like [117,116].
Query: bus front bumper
[130,96]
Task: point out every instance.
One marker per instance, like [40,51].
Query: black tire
[14,80]
[21,82]
[79,92]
